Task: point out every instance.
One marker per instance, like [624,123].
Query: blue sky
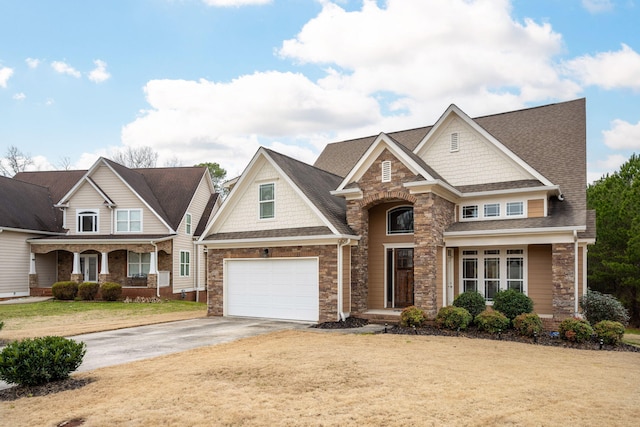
[212,80]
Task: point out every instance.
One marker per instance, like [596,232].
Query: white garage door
[273,288]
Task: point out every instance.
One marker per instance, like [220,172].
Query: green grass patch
[633,331]
[61,308]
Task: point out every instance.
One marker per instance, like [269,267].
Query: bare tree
[140,157]
[64,163]
[173,162]
[14,161]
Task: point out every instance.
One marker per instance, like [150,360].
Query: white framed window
[491,210]
[454,142]
[386,171]
[129,220]
[138,264]
[470,211]
[187,223]
[491,270]
[515,208]
[400,220]
[87,220]
[185,263]
[267,199]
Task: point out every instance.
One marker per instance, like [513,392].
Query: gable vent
[455,142]
[386,171]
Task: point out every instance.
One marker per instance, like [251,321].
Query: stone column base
[33,280]
[78,278]
[103,278]
[152,280]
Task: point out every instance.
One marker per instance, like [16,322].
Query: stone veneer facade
[563,259]
[327,275]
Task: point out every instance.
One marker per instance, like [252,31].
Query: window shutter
[386,171]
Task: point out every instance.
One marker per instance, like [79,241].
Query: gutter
[155,256]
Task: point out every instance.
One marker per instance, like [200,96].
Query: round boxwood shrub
[111,291]
[472,301]
[64,290]
[575,330]
[36,361]
[609,332]
[412,316]
[528,324]
[512,303]
[598,307]
[454,318]
[492,321]
[87,291]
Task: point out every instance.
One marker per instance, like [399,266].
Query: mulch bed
[19,391]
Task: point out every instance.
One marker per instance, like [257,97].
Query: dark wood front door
[403,278]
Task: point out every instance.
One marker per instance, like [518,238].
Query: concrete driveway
[143,342]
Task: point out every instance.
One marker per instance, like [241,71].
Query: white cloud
[622,135]
[99,74]
[5,74]
[49,102]
[32,62]
[19,96]
[228,3]
[597,6]
[610,70]
[608,165]
[64,68]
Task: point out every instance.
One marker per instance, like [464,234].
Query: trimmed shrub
[575,330]
[528,324]
[88,291]
[36,361]
[471,301]
[111,291]
[412,316]
[598,307]
[64,290]
[492,321]
[1,325]
[454,318]
[512,303]
[609,332]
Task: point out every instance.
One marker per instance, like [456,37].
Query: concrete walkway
[25,300]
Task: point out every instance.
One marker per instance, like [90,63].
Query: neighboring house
[136,227]
[410,218]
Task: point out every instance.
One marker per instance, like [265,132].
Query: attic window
[386,171]
[454,143]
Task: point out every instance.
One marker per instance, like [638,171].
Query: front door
[89,267]
[401,277]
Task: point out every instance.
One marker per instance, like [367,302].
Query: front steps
[390,316]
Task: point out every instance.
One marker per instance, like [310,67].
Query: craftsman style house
[410,218]
[136,227]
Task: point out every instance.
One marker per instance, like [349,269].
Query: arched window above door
[400,220]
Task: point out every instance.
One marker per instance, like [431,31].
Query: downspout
[197,278]
[155,247]
[575,273]
[341,244]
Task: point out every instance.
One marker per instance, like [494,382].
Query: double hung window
[139,264]
[267,201]
[185,263]
[129,220]
[492,270]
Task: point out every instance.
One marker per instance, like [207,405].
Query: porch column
[76,263]
[153,265]
[563,279]
[33,276]
[104,268]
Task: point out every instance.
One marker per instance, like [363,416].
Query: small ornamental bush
[454,318]
[492,321]
[1,325]
[36,361]
[512,303]
[87,291]
[64,290]
[598,307]
[473,302]
[412,316]
[111,291]
[528,324]
[609,332]
[575,330]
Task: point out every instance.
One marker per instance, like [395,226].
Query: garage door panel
[273,288]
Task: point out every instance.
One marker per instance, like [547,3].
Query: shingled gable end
[414,217]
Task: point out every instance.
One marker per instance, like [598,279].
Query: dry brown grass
[86,322]
[299,378]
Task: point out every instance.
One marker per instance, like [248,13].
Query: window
[386,171]
[400,220]
[491,209]
[139,264]
[128,220]
[185,263]
[454,142]
[470,211]
[492,270]
[515,208]
[88,221]
[187,224]
[267,201]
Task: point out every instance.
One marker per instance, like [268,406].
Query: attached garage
[285,288]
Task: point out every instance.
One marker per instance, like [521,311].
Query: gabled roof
[27,206]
